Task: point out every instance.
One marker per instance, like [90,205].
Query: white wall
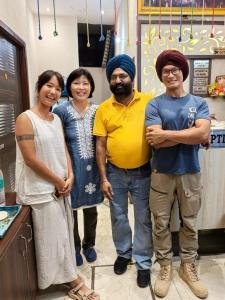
[59,53]
[102,91]
[16,15]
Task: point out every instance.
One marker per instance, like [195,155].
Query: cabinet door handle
[30,238]
[24,252]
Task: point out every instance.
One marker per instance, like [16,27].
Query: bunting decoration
[203,10]
[39,21]
[170,36]
[213,29]
[88,36]
[55,32]
[102,38]
[181,18]
[192,11]
[149,22]
[160,17]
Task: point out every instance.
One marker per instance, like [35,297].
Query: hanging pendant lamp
[102,38]
[39,21]
[88,37]
[115,18]
[55,32]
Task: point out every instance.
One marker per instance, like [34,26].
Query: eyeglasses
[174,71]
[121,77]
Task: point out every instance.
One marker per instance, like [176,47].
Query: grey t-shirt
[176,114]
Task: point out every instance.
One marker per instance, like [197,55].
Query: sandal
[77,294]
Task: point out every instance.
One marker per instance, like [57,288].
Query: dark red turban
[172,57]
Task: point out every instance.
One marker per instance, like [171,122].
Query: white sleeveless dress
[52,220]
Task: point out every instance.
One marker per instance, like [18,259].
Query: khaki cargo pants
[164,190]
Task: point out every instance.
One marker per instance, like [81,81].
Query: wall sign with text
[200,76]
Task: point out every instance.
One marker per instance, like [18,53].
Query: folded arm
[197,134]
[150,141]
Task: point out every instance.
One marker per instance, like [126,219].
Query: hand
[60,186]
[106,188]
[155,136]
[68,186]
[206,144]
[147,135]
[213,116]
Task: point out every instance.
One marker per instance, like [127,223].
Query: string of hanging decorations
[128,25]
[39,21]
[203,11]
[181,17]
[149,21]
[160,18]
[88,36]
[213,29]
[55,32]
[170,36]
[102,38]
[192,14]
[137,24]
[224,28]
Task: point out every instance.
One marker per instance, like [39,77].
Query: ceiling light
[48,9]
[102,12]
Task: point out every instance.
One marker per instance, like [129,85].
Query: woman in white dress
[44,178]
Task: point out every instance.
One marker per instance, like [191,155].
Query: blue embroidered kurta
[81,146]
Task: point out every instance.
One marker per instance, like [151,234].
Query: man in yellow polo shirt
[120,130]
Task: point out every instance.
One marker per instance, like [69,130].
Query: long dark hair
[46,76]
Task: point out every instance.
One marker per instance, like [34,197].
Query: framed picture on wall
[155,6]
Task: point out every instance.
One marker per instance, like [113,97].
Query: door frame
[20,45]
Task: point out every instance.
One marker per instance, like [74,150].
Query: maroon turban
[172,57]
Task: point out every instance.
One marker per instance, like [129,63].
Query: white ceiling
[78,8]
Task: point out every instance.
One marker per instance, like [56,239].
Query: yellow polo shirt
[125,130]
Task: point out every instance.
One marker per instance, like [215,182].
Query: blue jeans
[137,182]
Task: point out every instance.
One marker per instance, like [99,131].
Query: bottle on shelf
[2,189]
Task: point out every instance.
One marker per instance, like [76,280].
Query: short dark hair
[46,76]
[76,74]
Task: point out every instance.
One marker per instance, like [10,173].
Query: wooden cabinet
[18,278]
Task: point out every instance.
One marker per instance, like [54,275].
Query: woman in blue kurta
[77,116]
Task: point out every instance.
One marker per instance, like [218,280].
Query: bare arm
[25,139]
[106,187]
[194,135]
[101,156]
[70,177]
[149,140]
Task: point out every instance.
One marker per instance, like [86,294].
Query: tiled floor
[113,287]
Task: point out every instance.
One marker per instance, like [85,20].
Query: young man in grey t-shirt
[177,122]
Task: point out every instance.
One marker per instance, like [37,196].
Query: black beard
[121,89]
